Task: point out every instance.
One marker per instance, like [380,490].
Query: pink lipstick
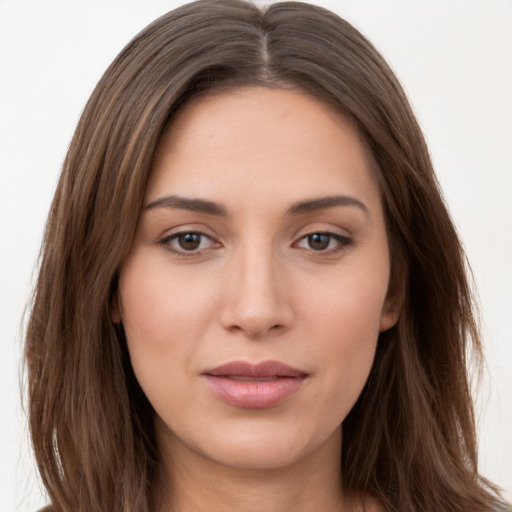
[254,386]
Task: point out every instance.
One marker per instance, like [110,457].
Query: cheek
[345,322]
[349,345]
[163,318]
[158,300]
[347,305]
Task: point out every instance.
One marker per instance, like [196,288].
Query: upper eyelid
[185,232]
[336,236]
[188,228]
[172,236]
[329,229]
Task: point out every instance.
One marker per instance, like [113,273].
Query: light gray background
[454,58]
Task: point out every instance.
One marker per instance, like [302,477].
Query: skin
[256,288]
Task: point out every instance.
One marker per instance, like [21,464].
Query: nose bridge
[255,299]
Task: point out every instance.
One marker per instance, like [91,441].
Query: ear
[392,305]
[116,317]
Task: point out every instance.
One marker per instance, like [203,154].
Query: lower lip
[253,394]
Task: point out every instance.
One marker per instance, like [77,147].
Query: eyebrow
[185,203]
[323,203]
[213,208]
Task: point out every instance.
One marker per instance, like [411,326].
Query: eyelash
[342,243]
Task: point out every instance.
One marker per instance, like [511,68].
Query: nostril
[256,330]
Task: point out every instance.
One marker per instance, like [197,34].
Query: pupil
[189,241]
[318,241]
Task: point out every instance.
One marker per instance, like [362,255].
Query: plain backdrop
[455,61]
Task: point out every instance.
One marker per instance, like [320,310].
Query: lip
[254,386]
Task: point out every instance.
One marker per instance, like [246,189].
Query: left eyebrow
[323,203]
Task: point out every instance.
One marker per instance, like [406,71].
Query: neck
[190,481]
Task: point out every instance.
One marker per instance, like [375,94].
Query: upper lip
[263,369]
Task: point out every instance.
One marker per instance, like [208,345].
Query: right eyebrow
[186,203]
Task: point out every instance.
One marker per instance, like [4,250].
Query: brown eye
[319,241]
[328,243]
[189,241]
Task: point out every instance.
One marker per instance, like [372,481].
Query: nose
[256,295]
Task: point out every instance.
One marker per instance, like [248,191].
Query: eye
[324,242]
[188,242]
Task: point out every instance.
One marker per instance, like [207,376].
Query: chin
[257,454]
[258,446]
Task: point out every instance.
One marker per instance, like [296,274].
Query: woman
[240,305]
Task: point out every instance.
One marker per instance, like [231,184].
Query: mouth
[254,386]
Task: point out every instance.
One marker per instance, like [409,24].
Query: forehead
[268,139]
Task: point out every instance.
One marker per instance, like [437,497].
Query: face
[256,288]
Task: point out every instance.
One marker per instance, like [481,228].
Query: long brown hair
[410,439]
